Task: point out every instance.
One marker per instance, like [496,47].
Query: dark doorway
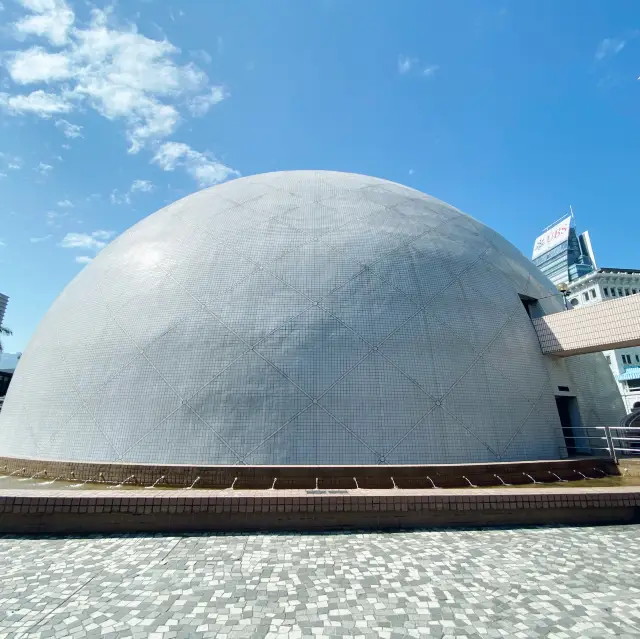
[531,306]
[574,436]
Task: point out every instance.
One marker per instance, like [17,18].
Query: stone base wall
[40,512]
[310,477]
[629,467]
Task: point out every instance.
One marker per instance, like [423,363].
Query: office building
[4,300]
[562,254]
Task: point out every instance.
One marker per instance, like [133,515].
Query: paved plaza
[540,582]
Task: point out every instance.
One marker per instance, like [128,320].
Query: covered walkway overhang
[591,329]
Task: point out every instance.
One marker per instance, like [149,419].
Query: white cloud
[11,162]
[609,47]
[83,259]
[103,235]
[126,76]
[93,241]
[142,186]
[44,169]
[119,72]
[66,147]
[111,68]
[65,204]
[50,19]
[36,240]
[69,130]
[203,167]
[3,175]
[411,171]
[36,65]
[169,154]
[52,216]
[200,104]
[405,63]
[38,102]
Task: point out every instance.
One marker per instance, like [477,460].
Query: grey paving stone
[559,583]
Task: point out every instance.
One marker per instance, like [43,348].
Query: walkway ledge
[114,511]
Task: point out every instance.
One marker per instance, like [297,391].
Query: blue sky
[509,110]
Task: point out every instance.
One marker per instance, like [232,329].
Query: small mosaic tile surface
[303,317]
[560,583]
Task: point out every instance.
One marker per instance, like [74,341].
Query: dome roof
[302,317]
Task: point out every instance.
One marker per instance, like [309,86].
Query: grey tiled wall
[293,318]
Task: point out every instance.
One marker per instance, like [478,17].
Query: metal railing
[616,441]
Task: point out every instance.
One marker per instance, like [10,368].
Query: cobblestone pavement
[539,582]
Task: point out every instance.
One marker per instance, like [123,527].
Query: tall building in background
[4,300]
[567,258]
[563,255]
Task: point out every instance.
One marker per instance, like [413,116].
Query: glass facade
[566,262]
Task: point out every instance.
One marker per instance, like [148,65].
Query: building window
[626,359]
[638,359]
[606,291]
[627,292]
[620,293]
[634,385]
[585,296]
[613,292]
[593,293]
[634,290]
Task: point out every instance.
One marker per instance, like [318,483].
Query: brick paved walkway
[561,583]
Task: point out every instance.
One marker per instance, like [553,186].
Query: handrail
[601,427]
[614,441]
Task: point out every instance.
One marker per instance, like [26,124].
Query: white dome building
[302,317]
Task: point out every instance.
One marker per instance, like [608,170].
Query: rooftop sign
[552,237]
